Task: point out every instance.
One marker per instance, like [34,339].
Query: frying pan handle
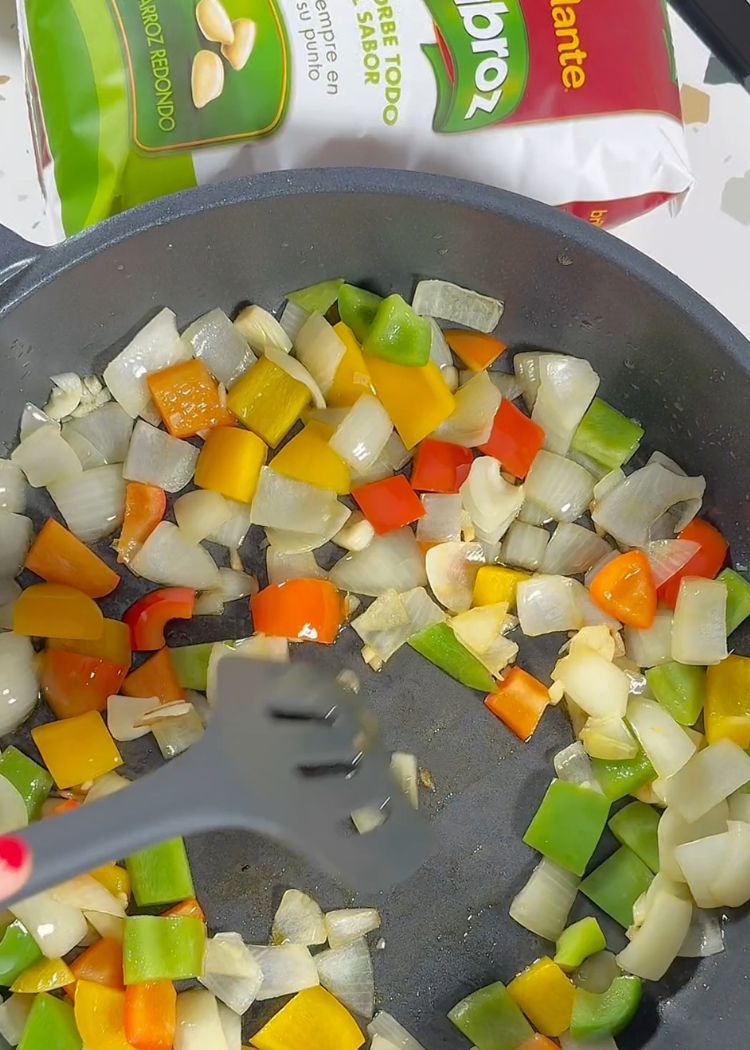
[15,254]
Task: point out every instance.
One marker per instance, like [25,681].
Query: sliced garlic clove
[238,52]
[207,80]
[214,22]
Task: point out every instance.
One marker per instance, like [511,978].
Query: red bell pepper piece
[440,466]
[706,562]
[625,589]
[145,506]
[73,684]
[148,617]
[519,701]
[301,610]
[514,440]
[155,677]
[389,504]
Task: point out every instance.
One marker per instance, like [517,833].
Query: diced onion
[287,968]
[667,557]
[93,504]
[201,513]
[298,920]
[545,902]
[732,884]
[405,772]
[67,390]
[573,764]
[87,454]
[234,530]
[280,502]
[673,831]
[529,368]
[394,618]
[609,738]
[292,319]
[459,305]
[19,685]
[362,435]
[677,517]
[124,713]
[298,542]
[156,458]
[170,558]
[592,682]
[281,566]
[33,418]
[320,350]
[231,972]
[596,975]
[699,631]
[394,456]
[451,571]
[356,534]
[524,546]
[14,1013]
[558,486]
[261,330]
[573,549]
[9,594]
[710,776]
[666,744]
[56,927]
[297,371]
[480,630]
[12,487]
[347,925]
[700,862]
[470,423]
[390,562]
[222,349]
[440,354]
[16,532]
[566,389]
[442,520]
[653,645]
[739,807]
[84,892]
[630,511]
[46,457]
[608,483]
[656,944]
[491,502]
[108,429]
[533,515]
[387,1029]
[199,1024]
[547,604]
[173,735]
[210,603]
[705,936]
[347,974]
[507,384]
[157,346]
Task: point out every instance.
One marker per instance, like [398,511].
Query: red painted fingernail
[14,854]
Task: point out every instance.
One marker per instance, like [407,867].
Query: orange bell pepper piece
[477,351]
[539,1042]
[190,907]
[113,646]
[54,610]
[519,701]
[155,677]
[230,463]
[76,750]
[59,557]
[145,506]
[151,1015]
[188,399]
[100,1016]
[73,684]
[706,561]
[101,963]
[301,610]
[67,805]
[625,588]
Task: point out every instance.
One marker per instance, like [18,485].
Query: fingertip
[15,865]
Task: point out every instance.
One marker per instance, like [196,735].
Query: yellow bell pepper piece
[44,976]
[77,749]
[230,463]
[417,399]
[115,879]
[545,995]
[268,401]
[313,1020]
[100,1016]
[726,713]
[54,610]
[308,457]
[352,378]
[494,584]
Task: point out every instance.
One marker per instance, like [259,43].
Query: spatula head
[299,755]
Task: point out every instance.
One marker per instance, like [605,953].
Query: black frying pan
[665,357]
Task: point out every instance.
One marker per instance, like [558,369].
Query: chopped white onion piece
[210,603]
[46,457]
[16,533]
[651,646]
[566,389]
[33,419]
[700,862]
[170,558]
[347,974]
[593,683]
[346,925]
[731,887]
[230,972]
[9,594]
[442,519]
[710,776]
[545,902]
[281,566]
[529,368]
[387,1029]
[356,534]
[175,735]
[451,571]
[320,350]
[666,744]
[739,807]
[507,384]
[559,486]
[201,513]
[524,546]
[108,429]
[261,330]
[67,390]
[125,712]
[470,423]
[394,618]
[292,319]
[14,1013]
[656,944]
[459,305]
[480,630]
[19,685]
[298,920]
[234,530]
[667,557]
[630,511]
[572,550]
[600,639]
[699,627]
[608,483]
[299,542]
[56,927]
[547,604]
[12,487]
[491,502]
[93,504]
[609,738]
[363,433]
[287,968]
[87,454]
[533,515]
[109,784]
[390,562]
[673,831]
[156,458]
[280,501]
[234,585]
[394,456]
[157,346]
[231,1026]
[596,975]
[13,812]
[296,370]
[705,936]
[199,1025]
[440,354]
[84,892]
[222,349]
[405,772]
[574,765]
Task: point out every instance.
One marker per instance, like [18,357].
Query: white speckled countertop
[707,243]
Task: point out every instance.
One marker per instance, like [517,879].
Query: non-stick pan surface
[665,358]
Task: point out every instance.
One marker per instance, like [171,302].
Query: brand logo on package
[203,73]
[480,60]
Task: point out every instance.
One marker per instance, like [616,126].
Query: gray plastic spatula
[287,753]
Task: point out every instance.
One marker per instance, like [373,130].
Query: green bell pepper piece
[618,779]
[30,780]
[491,1020]
[439,645]
[568,825]
[190,663]
[738,598]
[399,335]
[51,1025]
[636,826]
[317,298]
[578,943]
[606,435]
[679,688]
[603,1016]
[160,874]
[18,951]
[617,884]
[357,309]
[162,948]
